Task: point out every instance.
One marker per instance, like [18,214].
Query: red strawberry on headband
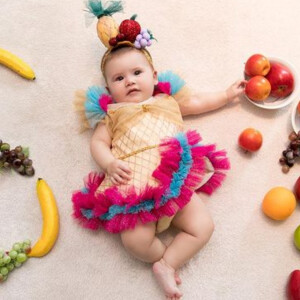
[130,31]
[130,28]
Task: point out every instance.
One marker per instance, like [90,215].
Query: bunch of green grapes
[17,159]
[13,258]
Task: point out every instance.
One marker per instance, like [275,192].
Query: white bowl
[295,117]
[275,103]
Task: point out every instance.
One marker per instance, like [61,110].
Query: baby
[151,168]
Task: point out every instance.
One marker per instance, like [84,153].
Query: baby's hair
[114,53]
[120,49]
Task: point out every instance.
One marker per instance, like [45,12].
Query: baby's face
[130,77]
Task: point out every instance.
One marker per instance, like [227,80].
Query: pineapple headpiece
[112,36]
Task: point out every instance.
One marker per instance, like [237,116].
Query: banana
[16,64]
[50,220]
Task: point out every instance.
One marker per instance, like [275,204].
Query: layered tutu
[180,172]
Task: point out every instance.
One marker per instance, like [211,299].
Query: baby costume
[167,164]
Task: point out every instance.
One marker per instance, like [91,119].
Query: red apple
[293,287]
[257,64]
[250,139]
[281,80]
[258,88]
[297,189]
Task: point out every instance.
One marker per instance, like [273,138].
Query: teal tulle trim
[99,10]
[175,81]
[185,164]
[93,111]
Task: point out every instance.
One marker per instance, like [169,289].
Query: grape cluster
[292,151]
[143,39]
[13,258]
[16,159]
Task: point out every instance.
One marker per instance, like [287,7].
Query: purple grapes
[291,153]
[143,39]
[16,159]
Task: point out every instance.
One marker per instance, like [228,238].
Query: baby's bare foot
[165,275]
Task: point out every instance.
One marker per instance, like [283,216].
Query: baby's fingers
[116,179]
[238,84]
[124,167]
[241,83]
[113,181]
[124,175]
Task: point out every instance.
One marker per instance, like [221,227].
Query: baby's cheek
[117,95]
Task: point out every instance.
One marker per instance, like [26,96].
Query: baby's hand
[235,90]
[118,172]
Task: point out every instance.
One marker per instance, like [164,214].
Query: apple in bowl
[281,80]
[257,64]
[258,88]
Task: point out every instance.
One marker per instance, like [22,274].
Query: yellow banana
[50,220]
[16,64]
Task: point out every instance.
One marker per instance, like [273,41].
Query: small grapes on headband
[110,33]
[143,39]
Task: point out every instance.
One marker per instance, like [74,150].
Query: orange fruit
[279,203]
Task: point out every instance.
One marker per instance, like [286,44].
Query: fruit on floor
[50,227]
[279,203]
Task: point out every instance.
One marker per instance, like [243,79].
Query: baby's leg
[144,245]
[142,242]
[197,227]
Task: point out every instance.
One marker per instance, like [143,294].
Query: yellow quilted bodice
[137,129]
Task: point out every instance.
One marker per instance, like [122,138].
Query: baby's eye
[119,78]
[137,72]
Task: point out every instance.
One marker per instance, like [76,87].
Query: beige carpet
[249,256]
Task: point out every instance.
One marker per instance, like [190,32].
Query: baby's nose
[129,81]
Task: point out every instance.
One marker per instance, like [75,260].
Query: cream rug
[249,256]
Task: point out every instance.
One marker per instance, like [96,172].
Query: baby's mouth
[132,91]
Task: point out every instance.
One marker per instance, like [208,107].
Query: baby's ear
[155,77]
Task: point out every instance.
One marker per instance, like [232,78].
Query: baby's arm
[205,102]
[117,170]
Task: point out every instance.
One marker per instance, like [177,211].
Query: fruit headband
[129,33]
